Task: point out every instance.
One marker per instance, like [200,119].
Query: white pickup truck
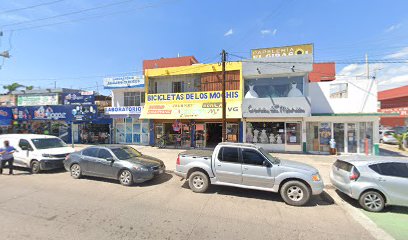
[249,166]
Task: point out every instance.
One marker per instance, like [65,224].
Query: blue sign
[5,116]
[67,113]
[124,82]
[78,98]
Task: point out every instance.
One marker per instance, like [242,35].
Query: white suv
[37,152]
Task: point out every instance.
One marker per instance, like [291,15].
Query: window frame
[341,96]
[257,152]
[30,147]
[103,149]
[380,170]
[221,151]
[91,148]
[133,98]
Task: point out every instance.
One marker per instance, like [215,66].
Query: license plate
[161,171]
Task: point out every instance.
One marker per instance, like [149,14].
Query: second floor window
[339,90]
[134,98]
[177,87]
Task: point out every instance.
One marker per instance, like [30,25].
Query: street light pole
[224,105]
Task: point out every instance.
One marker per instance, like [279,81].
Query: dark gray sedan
[119,162]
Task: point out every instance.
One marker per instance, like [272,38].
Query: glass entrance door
[338,130]
[351,138]
[293,136]
[312,136]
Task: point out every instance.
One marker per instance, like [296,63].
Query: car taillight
[355,174]
[67,157]
[178,160]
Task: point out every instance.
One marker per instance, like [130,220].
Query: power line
[93,16]
[68,13]
[30,7]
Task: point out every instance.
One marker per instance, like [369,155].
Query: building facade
[128,97]
[292,104]
[394,101]
[184,104]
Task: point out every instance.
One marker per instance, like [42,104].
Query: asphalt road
[55,206]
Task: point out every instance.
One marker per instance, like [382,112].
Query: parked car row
[375,182]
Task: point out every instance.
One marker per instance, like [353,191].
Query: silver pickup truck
[249,166]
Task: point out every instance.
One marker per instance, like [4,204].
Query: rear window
[343,165]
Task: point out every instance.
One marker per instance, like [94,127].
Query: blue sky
[82,50]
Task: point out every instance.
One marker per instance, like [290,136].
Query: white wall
[362,97]
[118,99]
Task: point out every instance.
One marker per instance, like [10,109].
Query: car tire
[372,201]
[295,193]
[126,178]
[35,167]
[198,182]
[381,141]
[76,171]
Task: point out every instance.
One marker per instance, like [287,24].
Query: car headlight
[316,177]
[47,155]
[142,169]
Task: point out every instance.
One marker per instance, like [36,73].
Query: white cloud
[269,31]
[388,75]
[393,27]
[228,33]
[400,54]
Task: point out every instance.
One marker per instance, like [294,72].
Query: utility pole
[367,66]
[55,84]
[224,104]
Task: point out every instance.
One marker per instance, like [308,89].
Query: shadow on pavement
[320,200]
[386,152]
[155,181]
[354,203]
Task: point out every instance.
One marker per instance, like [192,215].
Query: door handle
[219,164]
[381,179]
[245,168]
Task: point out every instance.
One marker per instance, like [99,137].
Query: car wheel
[35,167]
[295,193]
[76,171]
[198,182]
[372,201]
[381,141]
[126,178]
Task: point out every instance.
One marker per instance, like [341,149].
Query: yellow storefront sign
[192,105]
[303,49]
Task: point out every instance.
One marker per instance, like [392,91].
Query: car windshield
[269,156]
[389,132]
[125,153]
[45,143]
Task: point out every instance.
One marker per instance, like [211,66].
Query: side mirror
[24,147]
[266,163]
[110,159]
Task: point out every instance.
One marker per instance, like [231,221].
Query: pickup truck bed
[197,153]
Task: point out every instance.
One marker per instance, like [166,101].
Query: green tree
[29,87]
[400,138]
[12,87]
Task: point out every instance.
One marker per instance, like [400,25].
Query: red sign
[403,111]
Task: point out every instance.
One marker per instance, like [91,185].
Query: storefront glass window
[325,136]
[274,87]
[312,136]
[265,132]
[351,138]
[200,135]
[366,137]
[293,133]
[232,132]
[120,133]
[338,129]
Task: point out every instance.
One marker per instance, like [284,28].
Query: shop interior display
[294,91]
[265,133]
[251,93]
